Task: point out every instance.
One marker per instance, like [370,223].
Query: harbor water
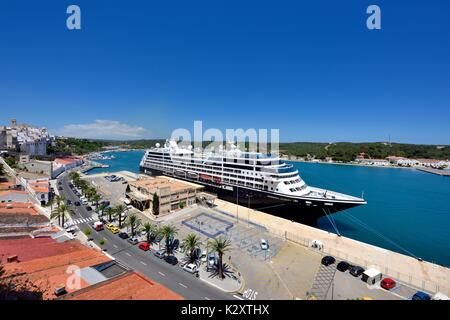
[408,211]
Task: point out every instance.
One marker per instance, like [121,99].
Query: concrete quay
[420,274]
[438,172]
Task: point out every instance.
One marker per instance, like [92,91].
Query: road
[173,277]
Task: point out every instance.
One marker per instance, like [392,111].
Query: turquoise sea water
[408,207]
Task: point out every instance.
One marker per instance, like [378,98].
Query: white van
[440,296]
[371,276]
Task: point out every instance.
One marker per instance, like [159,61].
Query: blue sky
[309,68]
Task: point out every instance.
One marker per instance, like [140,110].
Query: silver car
[133,240]
[160,253]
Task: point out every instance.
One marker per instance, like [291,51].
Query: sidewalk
[231,282]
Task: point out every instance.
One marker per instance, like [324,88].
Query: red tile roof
[23,208]
[48,272]
[130,286]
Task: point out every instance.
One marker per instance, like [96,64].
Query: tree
[87,232]
[150,229]
[134,223]
[96,198]
[169,232]
[59,200]
[63,211]
[118,210]
[60,212]
[102,243]
[155,204]
[220,246]
[189,244]
[101,208]
[74,176]
[11,161]
[109,211]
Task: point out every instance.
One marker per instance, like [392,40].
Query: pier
[444,173]
[412,271]
[93,165]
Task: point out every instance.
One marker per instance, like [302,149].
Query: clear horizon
[140,69]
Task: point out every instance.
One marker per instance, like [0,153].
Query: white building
[24,138]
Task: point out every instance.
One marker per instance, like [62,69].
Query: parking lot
[244,236]
[332,284]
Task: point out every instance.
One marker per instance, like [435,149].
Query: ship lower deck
[306,210]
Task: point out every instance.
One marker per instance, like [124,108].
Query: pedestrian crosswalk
[82,220]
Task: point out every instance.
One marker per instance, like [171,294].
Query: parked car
[203,257]
[68,202]
[175,244]
[109,226]
[420,295]
[211,260]
[77,203]
[88,208]
[171,260]
[158,238]
[343,266]
[60,188]
[133,240]
[123,235]
[160,253]
[388,283]
[191,268]
[356,271]
[144,246]
[71,229]
[264,244]
[328,260]
[114,230]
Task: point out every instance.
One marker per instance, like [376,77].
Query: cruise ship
[261,181]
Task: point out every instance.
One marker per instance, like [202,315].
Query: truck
[98,226]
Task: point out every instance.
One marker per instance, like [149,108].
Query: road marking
[128,254]
[115,246]
[207,298]
[237,297]
[162,274]
[143,263]
[182,285]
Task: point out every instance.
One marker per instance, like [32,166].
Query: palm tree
[119,209]
[96,198]
[101,208]
[74,176]
[149,230]
[220,246]
[189,244]
[169,232]
[134,223]
[63,211]
[60,212]
[56,214]
[58,200]
[109,211]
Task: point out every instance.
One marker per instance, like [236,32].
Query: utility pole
[237,203]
